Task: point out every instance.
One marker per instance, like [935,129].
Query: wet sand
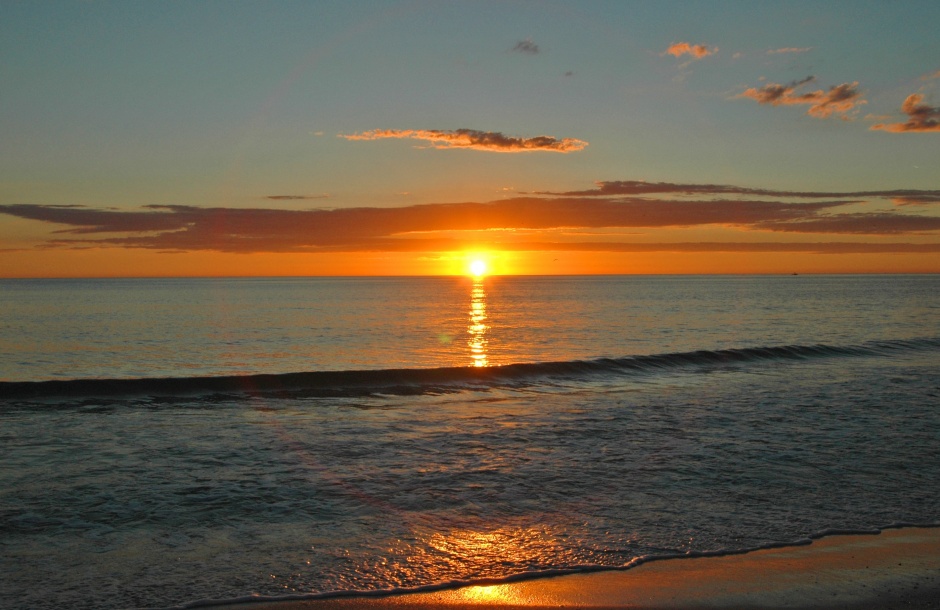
[895,569]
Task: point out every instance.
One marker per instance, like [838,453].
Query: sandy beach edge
[898,568]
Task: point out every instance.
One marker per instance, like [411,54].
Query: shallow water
[156,499]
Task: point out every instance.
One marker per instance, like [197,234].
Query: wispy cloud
[696,51]
[640,187]
[789,50]
[931,76]
[296,197]
[840,99]
[832,247]
[924,199]
[492,141]
[921,117]
[526,47]
[872,223]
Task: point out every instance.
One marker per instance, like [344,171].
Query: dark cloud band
[640,188]
[188,228]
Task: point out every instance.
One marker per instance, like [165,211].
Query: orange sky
[105,262]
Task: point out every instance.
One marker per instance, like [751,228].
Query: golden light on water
[508,544]
[519,545]
[477,325]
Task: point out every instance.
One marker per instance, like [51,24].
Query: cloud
[789,50]
[696,51]
[839,99]
[927,199]
[836,247]
[921,117]
[931,76]
[179,228]
[296,197]
[514,222]
[640,187]
[877,223]
[492,141]
[526,46]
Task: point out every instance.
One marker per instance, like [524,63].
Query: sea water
[169,441]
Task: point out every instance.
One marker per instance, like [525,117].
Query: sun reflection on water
[477,326]
[524,547]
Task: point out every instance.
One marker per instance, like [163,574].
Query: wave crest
[432,380]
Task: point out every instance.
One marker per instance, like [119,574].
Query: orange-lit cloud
[789,50]
[839,99]
[696,51]
[492,141]
[925,199]
[921,117]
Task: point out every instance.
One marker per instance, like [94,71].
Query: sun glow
[478,267]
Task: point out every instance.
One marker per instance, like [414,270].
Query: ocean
[170,441]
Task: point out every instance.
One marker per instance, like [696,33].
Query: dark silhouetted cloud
[264,230]
[296,197]
[640,187]
[492,141]
[188,228]
[622,204]
[921,117]
[526,46]
[836,247]
[696,51]
[839,99]
[872,223]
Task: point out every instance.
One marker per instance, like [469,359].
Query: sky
[412,138]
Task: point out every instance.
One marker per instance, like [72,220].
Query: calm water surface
[188,327]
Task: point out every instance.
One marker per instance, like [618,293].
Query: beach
[895,569]
[409,304]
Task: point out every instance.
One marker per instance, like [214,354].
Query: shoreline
[893,569]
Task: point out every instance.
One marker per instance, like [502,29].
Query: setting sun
[478,267]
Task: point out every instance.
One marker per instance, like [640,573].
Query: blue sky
[209,104]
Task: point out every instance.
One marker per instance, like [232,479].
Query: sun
[478,267]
